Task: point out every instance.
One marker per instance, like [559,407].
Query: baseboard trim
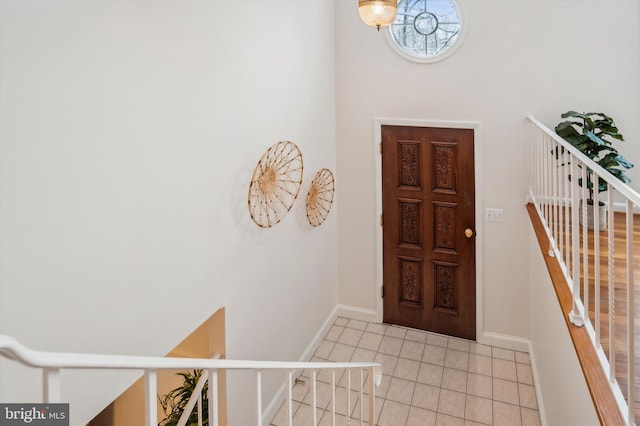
[272,408]
[356,313]
[536,380]
[505,341]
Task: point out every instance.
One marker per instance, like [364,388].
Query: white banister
[52,362]
[558,188]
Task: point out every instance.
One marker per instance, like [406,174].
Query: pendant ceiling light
[378,13]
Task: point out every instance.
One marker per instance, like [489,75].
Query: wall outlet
[495,215]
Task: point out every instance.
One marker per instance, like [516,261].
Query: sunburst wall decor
[275,184]
[320,197]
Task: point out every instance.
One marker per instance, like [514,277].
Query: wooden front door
[428,202]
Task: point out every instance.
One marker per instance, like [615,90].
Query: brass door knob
[468,233]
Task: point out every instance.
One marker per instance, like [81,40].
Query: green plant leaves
[589,132]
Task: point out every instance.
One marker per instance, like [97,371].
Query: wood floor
[620,295]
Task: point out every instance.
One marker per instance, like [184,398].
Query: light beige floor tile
[388,362]
[505,391]
[300,389]
[479,409]
[524,374]
[506,354]
[445,420]
[325,375]
[350,336]
[452,403]
[437,340]
[457,359]
[281,417]
[471,423]
[376,328]
[421,417]
[370,341]
[523,357]
[480,364]
[453,379]
[304,415]
[342,401]
[365,409]
[323,395]
[416,336]
[334,333]
[341,321]
[363,355]
[341,353]
[401,390]
[393,414]
[480,385]
[478,349]
[529,417]
[527,396]
[407,369]
[324,349]
[358,325]
[504,369]
[327,420]
[458,344]
[395,331]
[434,354]
[412,350]
[430,374]
[425,396]
[506,414]
[390,345]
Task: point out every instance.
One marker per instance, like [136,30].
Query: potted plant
[174,403]
[592,134]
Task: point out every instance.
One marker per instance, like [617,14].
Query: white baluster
[596,261]
[213,397]
[612,291]
[361,386]
[575,316]
[289,380]
[259,396]
[150,400]
[51,385]
[333,397]
[631,366]
[372,395]
[314,396]
[348,396]
[585,240]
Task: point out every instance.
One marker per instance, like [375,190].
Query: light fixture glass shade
[378,13]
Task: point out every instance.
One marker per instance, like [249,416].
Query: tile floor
[428,379]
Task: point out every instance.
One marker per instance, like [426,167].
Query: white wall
[564,398]
[129,134]
[518,57]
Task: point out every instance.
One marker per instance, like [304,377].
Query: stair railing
[557,171]
[52,362]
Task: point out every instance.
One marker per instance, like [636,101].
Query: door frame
[479,218]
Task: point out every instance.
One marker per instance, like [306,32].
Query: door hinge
[381,220]
[380,148]
[382,292]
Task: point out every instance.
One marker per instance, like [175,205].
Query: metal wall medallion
[275,184]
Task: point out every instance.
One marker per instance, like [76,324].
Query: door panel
[428,202]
